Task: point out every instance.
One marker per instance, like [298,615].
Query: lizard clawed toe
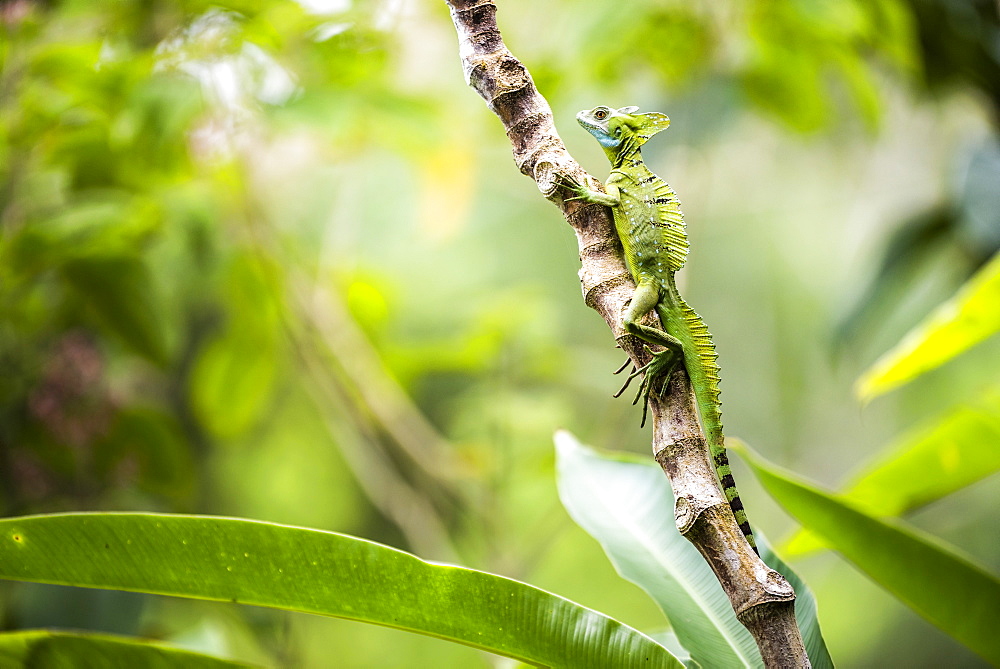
[625,364]
[640,371]
[658,368]
[572,185]
[622,389]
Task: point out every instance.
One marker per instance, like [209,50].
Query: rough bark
[762,598]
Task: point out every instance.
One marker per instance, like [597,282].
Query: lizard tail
[704,373]
[725,473]
[700,361]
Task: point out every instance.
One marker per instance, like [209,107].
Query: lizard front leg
[609,199]
[645,298]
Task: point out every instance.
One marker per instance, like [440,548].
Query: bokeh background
[273,260]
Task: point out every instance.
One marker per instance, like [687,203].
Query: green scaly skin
[650,225]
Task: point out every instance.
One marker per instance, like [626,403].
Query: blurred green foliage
[271,259]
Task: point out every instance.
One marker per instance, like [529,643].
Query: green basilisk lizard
[650,225]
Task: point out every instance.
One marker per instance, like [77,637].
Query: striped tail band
[725,474]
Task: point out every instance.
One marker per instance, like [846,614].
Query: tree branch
[762,598]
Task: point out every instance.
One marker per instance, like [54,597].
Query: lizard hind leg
[645,298]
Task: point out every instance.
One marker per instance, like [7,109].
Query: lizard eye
[601,114]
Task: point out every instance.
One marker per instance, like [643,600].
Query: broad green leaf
[38,649]
[121,293]
[668,639]
[265,564]
[628,507]
[923,466]
[930,577]
[966,319]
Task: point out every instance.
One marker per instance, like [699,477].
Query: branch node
[606,245]
[591,294]
[546,175]
[773,582]
[684,514]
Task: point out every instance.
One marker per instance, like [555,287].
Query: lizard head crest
[621,129]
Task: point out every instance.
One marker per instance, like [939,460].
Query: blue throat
[606,140]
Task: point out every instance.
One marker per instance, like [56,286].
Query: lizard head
[620,129]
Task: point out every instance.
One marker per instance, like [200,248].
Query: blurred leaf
[971,316]
[958,44]
[233,383]
[153,441]
[892,28]
[234,377]
[122,295]
[57,607]
[909,251]
[795,59]
[101,223]
[926,574]
[785,82]
[69,650]
[151,132]
[678,42]
[367,303]
[979,200]
[923,466]
[628,507]
[857,78]
[296,569]
[797,50]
